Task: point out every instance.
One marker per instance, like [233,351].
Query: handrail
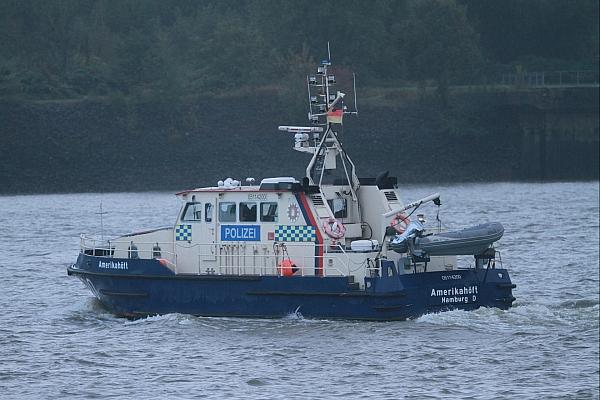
[84,238]
[106,248]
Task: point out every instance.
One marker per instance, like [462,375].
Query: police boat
[330,245]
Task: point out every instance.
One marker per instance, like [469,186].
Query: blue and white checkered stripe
[183,232]
[295,233]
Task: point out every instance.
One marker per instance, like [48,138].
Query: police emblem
[293,212]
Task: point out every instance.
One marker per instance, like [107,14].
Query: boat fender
[156,250]
[334,228]
[400,222]
[132,251]
[287,267]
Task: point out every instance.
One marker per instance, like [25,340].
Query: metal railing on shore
[551,78]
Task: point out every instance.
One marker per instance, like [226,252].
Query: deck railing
[129,249]
[236,258]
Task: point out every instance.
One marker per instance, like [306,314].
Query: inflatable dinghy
[469,241]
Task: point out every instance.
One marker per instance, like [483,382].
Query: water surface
[56,341]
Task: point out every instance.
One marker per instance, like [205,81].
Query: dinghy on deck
[473,241]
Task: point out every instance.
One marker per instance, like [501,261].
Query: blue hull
[136,288]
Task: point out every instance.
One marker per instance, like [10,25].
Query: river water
[56,341]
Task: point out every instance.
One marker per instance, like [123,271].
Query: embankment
[126,145]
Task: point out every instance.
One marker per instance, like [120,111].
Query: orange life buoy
[334,228]
[400,222]
[287,267]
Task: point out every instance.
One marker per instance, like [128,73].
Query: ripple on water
[580,303]
[256,382]
[56,341]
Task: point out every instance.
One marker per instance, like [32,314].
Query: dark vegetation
[71,48]
[170,93]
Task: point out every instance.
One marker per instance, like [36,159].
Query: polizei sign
[240,233]
[454,295]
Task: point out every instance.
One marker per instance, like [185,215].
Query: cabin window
[192,212]
[248,212]
[339,207]
[208,211]
[227,211]
[268,212]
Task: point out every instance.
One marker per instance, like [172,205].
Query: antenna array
[326,105]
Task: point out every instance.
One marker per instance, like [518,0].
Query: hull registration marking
[455,295]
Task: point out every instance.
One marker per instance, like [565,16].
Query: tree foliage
[72,48]
[440,44]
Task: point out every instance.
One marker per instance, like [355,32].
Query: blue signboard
[240,233]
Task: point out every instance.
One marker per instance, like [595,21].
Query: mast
[326,112]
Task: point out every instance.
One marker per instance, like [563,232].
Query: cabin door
[208,233]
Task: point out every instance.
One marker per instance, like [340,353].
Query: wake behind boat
[331,245]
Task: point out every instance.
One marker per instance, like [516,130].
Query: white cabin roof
[281,179]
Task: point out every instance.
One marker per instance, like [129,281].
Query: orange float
[287,267]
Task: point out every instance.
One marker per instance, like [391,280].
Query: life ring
[334,228]
[287,267]
[400,222]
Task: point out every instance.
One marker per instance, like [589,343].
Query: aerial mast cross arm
[300,129]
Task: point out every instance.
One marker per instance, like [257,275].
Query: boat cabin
[280,227]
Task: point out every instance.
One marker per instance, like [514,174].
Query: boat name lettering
[113,264]
[454,295]
[451,277]
[241,233]
[257,196]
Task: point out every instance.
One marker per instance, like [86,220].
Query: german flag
[335,116]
